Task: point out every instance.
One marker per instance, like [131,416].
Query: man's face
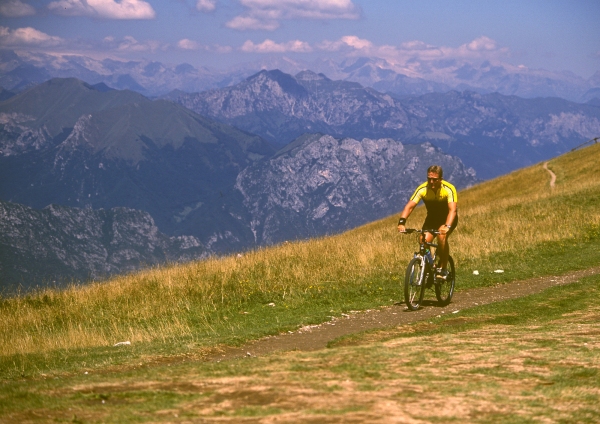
[434,181]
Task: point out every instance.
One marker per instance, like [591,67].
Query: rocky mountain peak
[311,76]
[285,82]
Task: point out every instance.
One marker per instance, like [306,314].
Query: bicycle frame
[421,274]
[427,258]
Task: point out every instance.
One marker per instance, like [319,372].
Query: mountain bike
[420,274]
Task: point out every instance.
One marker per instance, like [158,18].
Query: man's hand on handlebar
[444,229]
[401,228]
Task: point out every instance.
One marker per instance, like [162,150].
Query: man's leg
[443,250]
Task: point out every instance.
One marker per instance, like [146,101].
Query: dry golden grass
[514,212]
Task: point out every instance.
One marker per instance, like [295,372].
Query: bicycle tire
[444,289]
[414,284]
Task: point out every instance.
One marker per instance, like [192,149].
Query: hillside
[322,185]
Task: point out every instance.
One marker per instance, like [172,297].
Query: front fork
[426,276]
[428,271]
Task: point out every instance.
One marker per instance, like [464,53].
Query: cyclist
[440,199]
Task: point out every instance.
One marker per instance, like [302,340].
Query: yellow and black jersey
[436,203]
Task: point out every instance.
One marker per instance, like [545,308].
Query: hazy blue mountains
[447,75]
[492,133]
[281,107]
[151,78]
[19,70]
[66,142]
[496,134]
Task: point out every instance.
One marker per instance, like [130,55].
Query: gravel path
[316,337]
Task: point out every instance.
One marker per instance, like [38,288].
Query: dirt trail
[317,337]
[552,175]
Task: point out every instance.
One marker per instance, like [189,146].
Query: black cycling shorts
[433,223]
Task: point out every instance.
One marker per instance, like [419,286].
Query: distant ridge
[103,88]
[25,69]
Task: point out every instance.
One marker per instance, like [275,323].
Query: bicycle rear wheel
[414,284]
[444,289]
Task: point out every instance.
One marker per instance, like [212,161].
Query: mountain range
[66,142]
[19,70]
[274,157]
[492,133]
[320,185]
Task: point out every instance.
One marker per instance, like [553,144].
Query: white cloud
[220,49]
[266,14]
[482,44]
[356,42]
[186,44]
[269,46]
[129,44]
[29,37]
[206,5]
[416,45]
[16,9]
[411,53]
[108,9]
[349,44]
[249,22]
[481,47]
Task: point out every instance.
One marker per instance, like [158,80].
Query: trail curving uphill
[552,175]
[317,337]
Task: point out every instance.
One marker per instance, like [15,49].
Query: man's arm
[450,218]
[405,214]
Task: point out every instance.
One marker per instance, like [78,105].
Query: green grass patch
[531,357]
[542,259]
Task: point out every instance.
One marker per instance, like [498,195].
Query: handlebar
[413,230]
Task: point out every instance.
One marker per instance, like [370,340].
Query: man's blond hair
[436,169]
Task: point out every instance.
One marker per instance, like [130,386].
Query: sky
[555,35]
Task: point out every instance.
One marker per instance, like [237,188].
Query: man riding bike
[440,199]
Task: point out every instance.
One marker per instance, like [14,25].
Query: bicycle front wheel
[444,289]
[414,284]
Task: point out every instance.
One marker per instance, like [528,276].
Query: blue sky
[556,35]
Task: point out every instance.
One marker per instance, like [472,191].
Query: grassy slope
[530,360]
[179,311]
